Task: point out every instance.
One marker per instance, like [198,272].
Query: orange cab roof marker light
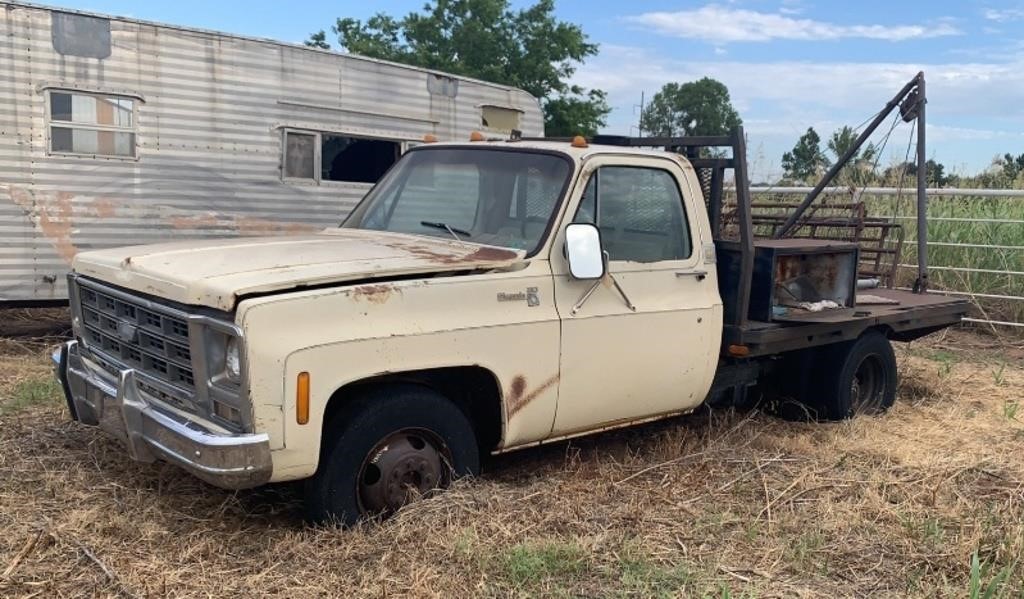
[579,142]
[476,136]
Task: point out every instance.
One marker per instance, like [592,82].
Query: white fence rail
[970,236]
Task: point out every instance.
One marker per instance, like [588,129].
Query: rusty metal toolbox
[793,276]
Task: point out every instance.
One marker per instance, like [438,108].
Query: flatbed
[913,315]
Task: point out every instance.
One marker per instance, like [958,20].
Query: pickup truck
[483,297]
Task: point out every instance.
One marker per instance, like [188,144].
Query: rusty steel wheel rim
[403,466]
[868,385]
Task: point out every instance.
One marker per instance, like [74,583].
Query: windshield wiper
[452,230]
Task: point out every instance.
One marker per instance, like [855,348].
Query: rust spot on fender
[518,388]
[518,398]
[376,294]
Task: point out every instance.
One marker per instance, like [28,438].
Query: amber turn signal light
[302,398]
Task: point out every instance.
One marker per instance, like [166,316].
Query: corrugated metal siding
[209,139]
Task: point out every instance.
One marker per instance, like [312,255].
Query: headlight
[232,362]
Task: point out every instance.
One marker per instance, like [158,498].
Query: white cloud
[970,88]
[791,7]
[970,103]
[943,133]
[725,24]
[1004,15]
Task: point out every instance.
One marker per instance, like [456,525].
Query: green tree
[698,107]
[842,140]
[318,40]
[1012,167]
[485,39]
[576,113]
[905,173]
[860,170]
[806,160]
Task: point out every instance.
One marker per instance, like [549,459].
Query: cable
[885,141]
[865,122]
[903,171]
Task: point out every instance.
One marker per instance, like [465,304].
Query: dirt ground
[711,505]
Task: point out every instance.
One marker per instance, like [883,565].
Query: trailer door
[638,345]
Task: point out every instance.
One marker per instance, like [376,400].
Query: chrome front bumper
[149,432]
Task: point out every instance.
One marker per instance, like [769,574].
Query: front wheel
[387,447]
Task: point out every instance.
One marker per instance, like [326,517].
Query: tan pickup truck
[483,297]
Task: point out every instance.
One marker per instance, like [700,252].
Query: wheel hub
[868,384]
[403,466]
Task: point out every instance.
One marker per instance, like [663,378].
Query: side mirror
[583,249]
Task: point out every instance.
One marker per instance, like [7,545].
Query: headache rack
[754,240]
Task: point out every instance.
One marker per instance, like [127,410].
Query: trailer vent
[80,35]
[500,118]
[440,85]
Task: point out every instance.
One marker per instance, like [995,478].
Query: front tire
[385,448]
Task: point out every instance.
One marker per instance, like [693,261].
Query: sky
[788,64]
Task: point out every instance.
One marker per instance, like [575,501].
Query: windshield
[494,197]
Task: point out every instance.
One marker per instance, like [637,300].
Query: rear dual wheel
[840,381]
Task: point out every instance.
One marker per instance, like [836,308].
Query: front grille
[137,336]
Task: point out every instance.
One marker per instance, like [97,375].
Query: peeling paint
[478,254]
[104,207]
[519,399]
[52,213]
[377,294]
[258,226]
[192,221]
[488,254]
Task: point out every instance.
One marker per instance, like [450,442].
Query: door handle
[700,274]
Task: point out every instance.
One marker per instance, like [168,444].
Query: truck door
[645,341]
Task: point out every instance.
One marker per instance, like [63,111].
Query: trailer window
[323,156]
[299,155]
[92,124]
[640,213]
[355,159]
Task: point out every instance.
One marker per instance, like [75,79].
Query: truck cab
[483,297]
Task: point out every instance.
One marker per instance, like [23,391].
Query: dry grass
[716,505]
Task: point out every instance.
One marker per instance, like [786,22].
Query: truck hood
[216,273]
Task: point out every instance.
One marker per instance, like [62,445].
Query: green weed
[31,392]
[533,562]
[995,587]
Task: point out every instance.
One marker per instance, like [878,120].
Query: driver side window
[640,213]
